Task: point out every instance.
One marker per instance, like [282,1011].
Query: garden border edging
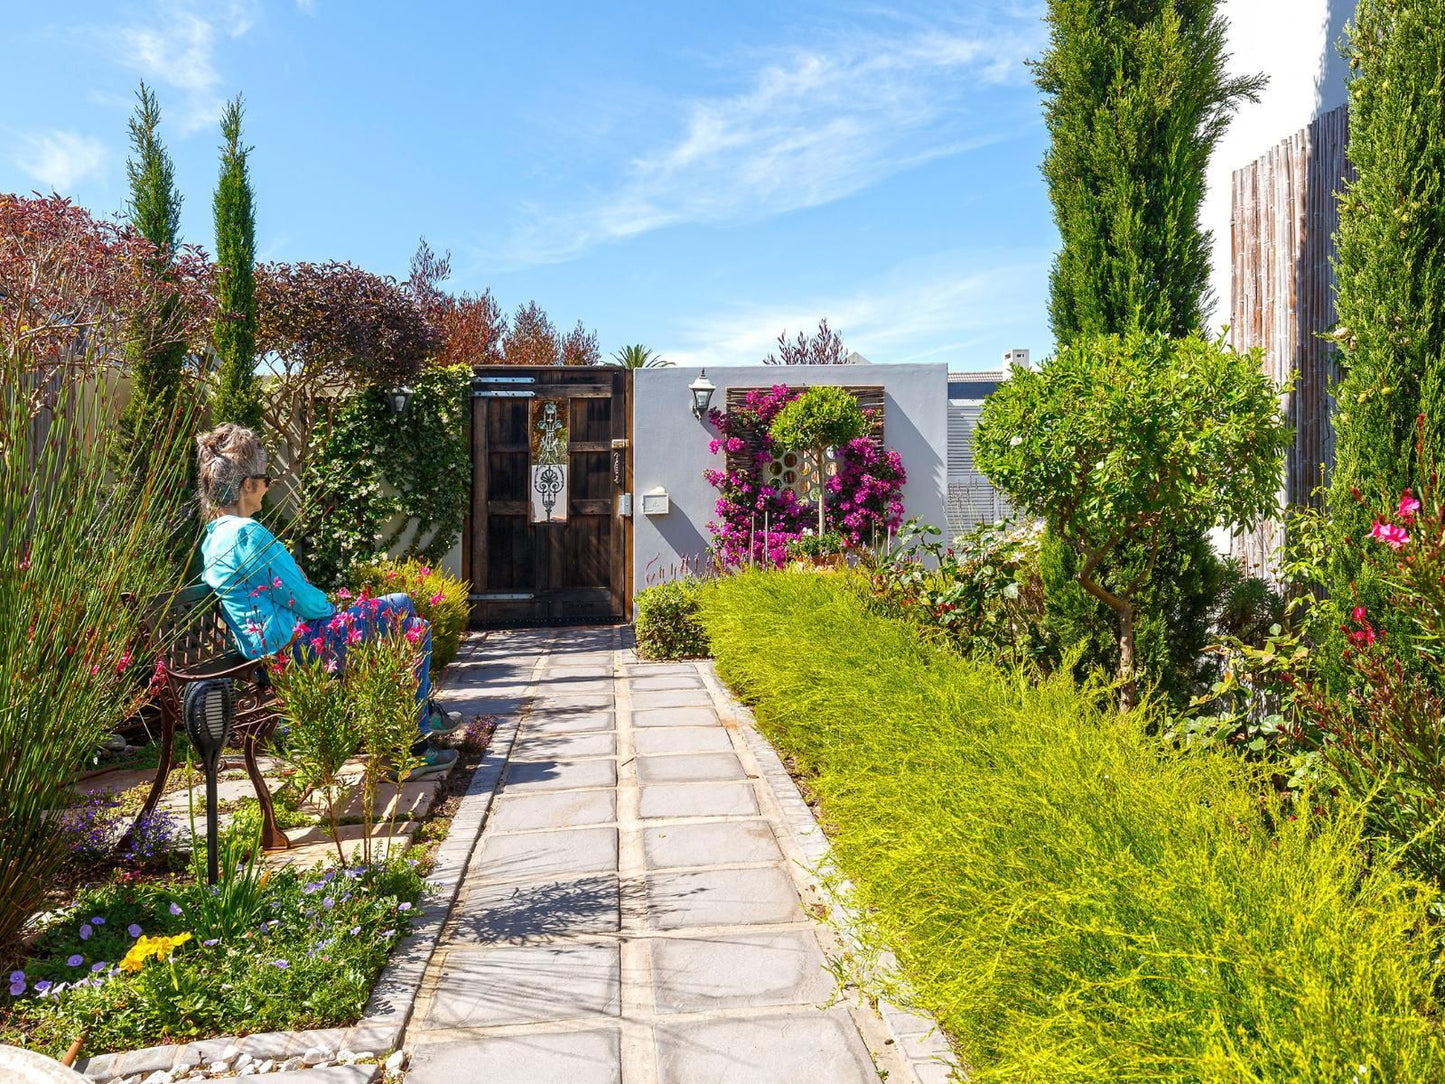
[384,1020]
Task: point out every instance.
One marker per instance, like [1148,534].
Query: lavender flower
[99,965]
[282,964]
[97,922]
[85,931]
[16,989]
[404,907]
[134,929]
[212,943]
[43,987]
[76,960]
[175,909]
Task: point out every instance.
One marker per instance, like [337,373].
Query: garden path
[635,909]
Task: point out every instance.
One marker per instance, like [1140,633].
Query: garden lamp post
[702,389]
[209,709]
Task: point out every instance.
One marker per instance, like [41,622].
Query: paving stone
[935,1072]
[682,678]
[411,801]
[580,660]
[682,739]
[227,790]
[572,1057]
[113,782]
[565,746]
[697,716]
[568,703]
[572,723]
[573,683]
[720,843]
[564,809]
[535,775]
[535,911]
[738,971]
[332,1074]
[532,856]
[643,700]
[690,768]
[698,799]
[527,984]
[312,845]
[579,672]
[721,898]
[804,1048]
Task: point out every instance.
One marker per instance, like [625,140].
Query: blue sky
[694,176]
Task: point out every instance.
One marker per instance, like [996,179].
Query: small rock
[231,1053]
[290,1065]
[160,1076]
[266,1066]
[247,1070]
[314,1057]
[216,1068]
[395,1062]
[345,1057]
[242,1060]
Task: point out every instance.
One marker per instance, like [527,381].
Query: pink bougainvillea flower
[1408,506]
[1391,534]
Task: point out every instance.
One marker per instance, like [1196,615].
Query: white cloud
[811,126]
[951,307]
[177,48]
[60,160]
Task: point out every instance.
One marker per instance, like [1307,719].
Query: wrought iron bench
[187,634]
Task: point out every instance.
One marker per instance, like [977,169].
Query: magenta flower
[437,599]
[1389,533]
[1408,506]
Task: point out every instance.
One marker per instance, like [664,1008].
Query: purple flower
[76,960]
[282,964]
[16,989]
[404,907]
[99,965]
[328,903]
[43,986]
[97,922]
[133,929]
[355,930]
[175,908]
[85,931]
[17,976]
[387,933]
[212,943]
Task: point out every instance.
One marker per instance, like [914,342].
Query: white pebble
[395,1062]
[216,1068]
[345,1057]
[231,1053]
[290,1065]
[160,1076]
[266,1066]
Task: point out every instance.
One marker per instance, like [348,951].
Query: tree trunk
[1128,680]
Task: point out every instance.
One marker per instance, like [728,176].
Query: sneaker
[440,722]
[434,764]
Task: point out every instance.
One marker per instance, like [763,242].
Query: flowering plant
[756,520]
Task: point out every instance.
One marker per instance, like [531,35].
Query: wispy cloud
[176,46]
[809,127]
[953,307]
[60,160]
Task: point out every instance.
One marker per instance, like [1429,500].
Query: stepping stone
[564,746]
[531,856]
[571,683]
[682,739]
[643,700]
[739,971]
[567,703]
[697,716]
[312,845]
[566,809]
[569,1057]
[698,800]
[535,911]
[526,984]
[681,678]
[537,775]
[412,801]
[721,897]
[114,782]
[539,722]
[690,768]
[809,1047]
[717,844]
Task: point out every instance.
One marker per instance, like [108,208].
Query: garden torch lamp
[702,389]
[209,708]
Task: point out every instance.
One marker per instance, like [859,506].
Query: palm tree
[637,356]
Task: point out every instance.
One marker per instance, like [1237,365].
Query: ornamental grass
[1073,900]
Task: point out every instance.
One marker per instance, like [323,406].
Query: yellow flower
[145,947]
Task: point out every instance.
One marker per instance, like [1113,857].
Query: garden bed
[1073,900]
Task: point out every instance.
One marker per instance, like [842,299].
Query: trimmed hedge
[667,626]
[1075,902]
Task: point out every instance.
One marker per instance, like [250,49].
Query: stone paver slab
[535,911]
[568,703]
[675,680]
[698,800]
[562,809]
[804,1048]
[533,856]
[643,700]
[412,803]
[696,716]
[739,970]
[570,1057]
[312,845]
[588,722]
[682,739]
[564,746]
[536,775]
[690,768]
[720,843]
[526,984]
[730,897]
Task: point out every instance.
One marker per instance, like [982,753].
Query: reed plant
[1074,900]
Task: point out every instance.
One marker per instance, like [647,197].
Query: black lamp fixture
[702,389]
[209,707]
[397,398]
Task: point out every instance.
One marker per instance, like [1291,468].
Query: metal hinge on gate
[502,393]
[487,387]
[503,596]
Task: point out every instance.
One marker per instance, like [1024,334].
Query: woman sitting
[268,602]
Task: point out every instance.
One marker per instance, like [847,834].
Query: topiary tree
[238,392]
[1123,439]
[819,419]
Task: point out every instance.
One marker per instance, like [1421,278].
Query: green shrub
[440,598]
[809,545]
[667,625]
[1074,901]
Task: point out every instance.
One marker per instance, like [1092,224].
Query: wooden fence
[1282,230]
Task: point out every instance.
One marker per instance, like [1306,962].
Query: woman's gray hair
[225,458]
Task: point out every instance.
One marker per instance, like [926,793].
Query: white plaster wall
[670,448]
[1296,44]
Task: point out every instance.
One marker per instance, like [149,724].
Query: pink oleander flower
[353,637]
[1408,506]
[414,632]
[1358,613]
[1391,534]
[1364,637]
[437,599]
[425,570]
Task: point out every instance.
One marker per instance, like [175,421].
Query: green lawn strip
[1073,901]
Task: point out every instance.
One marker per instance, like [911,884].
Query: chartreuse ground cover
[1075,900]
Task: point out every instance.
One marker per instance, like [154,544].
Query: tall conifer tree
[238,393]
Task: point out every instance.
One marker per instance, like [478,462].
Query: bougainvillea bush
[755,521]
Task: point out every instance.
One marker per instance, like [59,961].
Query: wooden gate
[550,547]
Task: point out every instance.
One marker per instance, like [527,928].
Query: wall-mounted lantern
[397,398]
[702,389]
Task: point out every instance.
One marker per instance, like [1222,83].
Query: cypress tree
[238,393]
[1390,265]
[1136,97]
[156,356]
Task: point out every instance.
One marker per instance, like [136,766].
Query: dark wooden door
[549,573]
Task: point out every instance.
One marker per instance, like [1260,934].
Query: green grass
[1074,902]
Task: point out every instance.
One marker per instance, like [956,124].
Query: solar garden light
[209,709]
